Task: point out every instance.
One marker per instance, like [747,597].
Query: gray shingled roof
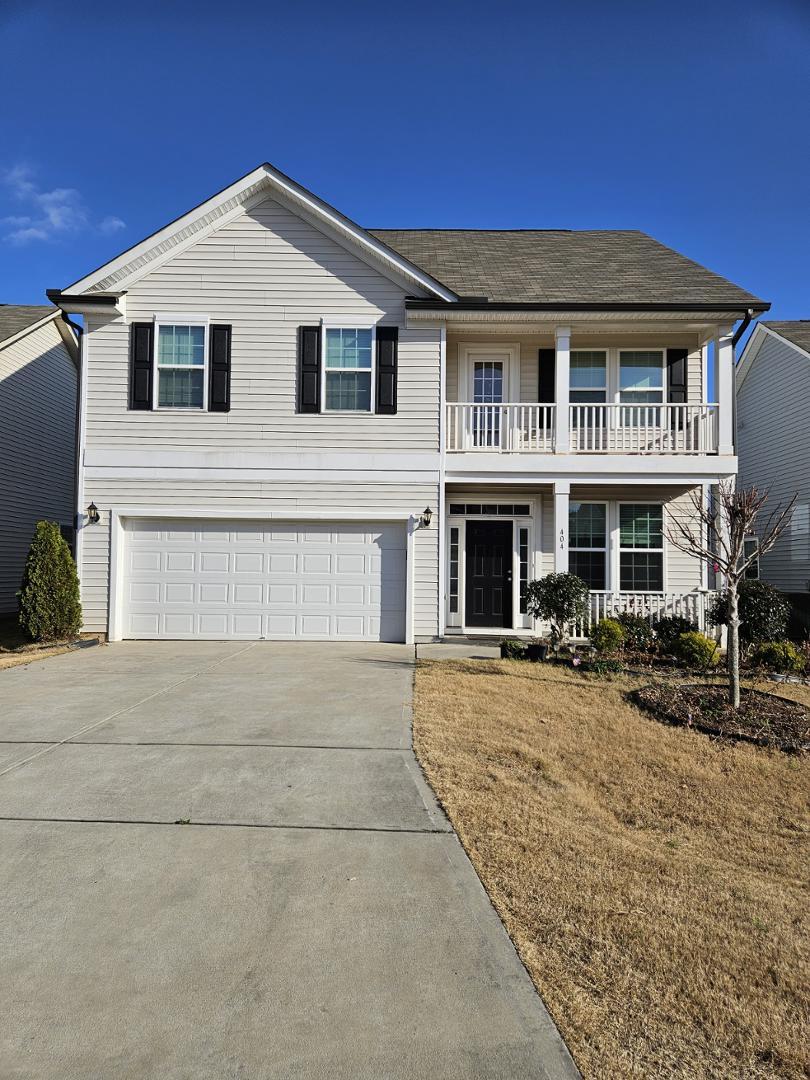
[531,266]
[17,317]
[797,331]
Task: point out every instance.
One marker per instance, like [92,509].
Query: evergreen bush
[49,605]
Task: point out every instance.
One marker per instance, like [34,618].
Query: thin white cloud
[51,215]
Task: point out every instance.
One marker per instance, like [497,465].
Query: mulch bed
[764,719]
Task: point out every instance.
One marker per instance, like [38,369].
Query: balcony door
[489,371]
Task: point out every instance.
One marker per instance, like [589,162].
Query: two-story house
[295,427]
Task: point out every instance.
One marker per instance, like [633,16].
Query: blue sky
[689,121]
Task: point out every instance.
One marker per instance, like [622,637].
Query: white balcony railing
[643,429]
[500,428]
[650,606]
[594,429]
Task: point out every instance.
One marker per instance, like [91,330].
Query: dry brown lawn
[15,648]
[654,880]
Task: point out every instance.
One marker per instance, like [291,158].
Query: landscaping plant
[607,636]
[513,649]
[669,628]
[764,612]
[638,633]
[559,598]
[695,650]
[716,533]
[779,656]
[49,606]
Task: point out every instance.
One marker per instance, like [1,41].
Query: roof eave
[739,308]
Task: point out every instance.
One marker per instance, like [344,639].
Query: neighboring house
[273,396]
[773,396]
[38,385]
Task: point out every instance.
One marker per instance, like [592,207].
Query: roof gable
[15,319]
[796,335]
[117,274]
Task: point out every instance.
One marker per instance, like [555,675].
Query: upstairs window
[641,377]
[348,369]
[181,352]
[588,377]
[641,547]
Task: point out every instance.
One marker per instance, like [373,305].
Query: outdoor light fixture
[426,517]
[92,514]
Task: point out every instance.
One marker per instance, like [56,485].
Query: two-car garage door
[249,579]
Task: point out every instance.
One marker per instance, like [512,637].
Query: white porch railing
[650,606]
[500,428]
[643,429]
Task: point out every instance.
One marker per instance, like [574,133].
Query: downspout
[738,333]
[79,331]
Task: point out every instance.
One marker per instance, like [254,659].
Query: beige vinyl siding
[774,451]
[250,498]
[529,344]
[37,446]
[266,273]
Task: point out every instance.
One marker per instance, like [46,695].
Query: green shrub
[512,649]
[607,636]
[604,666]
[50,609]
[764,612]
[696,650]
[669,628]
[560,598]
[778,656]
[637,631]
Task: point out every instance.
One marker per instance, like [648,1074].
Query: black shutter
[547,362]
[387,348]
[141,339]
[676,376]
[219,368]
[309,369]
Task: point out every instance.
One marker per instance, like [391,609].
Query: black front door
[489,573]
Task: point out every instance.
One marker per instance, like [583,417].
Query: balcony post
[724,392]
[562,365]
[562,491]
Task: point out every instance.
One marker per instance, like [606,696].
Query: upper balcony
[520,428]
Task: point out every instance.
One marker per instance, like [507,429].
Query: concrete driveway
[316,917]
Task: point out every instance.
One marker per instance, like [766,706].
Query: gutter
[414,304]
[77,472]
[95,300]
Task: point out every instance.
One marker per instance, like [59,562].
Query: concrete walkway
[315,917]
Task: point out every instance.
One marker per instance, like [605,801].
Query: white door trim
[509,355]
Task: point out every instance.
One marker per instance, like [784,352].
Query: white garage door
[247,579]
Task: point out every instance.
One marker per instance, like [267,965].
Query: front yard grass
[15,648]
[653,880]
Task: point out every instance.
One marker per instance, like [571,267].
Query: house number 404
[562,540]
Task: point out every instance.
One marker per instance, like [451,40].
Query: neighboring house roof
[14,318]
[796,331]
[560,267]
[795,334]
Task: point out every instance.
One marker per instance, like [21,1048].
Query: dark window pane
[456,508]
[590,566]
[641,526]
[586,525]
[521,510]
[641,571]
[489,508]
[473,508]
[505,509]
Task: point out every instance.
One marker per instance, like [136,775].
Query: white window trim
[618,386]
[340,324]
[606,550]
[642,551]
[605,389]
[179,320]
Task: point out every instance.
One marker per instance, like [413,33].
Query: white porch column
[562,491]
[562,341]
[724,392]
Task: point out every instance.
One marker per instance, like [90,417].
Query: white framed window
[588,376]
[523,566]
[641,376]
[750,547]
[181,364]
[455,564]
[588,542]
[641,547]
[348,369]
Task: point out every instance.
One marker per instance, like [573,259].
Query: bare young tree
[717,535]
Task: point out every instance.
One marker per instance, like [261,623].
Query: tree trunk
[733,647]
